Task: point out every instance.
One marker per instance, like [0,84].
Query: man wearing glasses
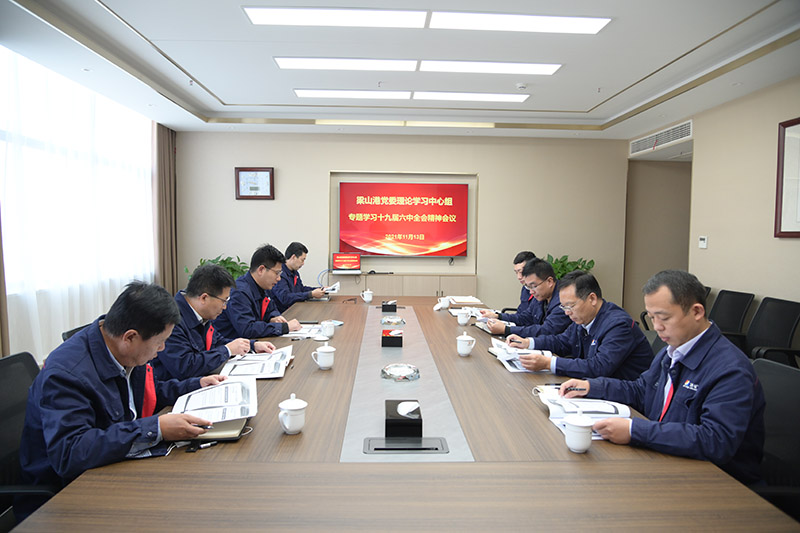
[196,347]
[539,280]
[603,339]
[529,310]
[252,312]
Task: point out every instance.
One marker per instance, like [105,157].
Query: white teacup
[323,356]
[366,295]
[328,328]
[463,318]
[292,415]
[578,432]
[465,344]
[444,302]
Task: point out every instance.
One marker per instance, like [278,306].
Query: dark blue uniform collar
[701,348]
[100,353]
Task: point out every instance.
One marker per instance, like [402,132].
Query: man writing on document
[603,340]
[94,403]
[701,396]
[197,346]
[290,288]
[252,312]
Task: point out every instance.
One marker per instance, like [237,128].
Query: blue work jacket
[551,322]
[614,347]
[290,289]
[184,354]
[529,311]
[242,318]
[78,415]
[717,408]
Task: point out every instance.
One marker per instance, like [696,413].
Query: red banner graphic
[403,219]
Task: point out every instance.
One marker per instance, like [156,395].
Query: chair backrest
[781,385]
[655,341]
[774,324]
[16,375]
[67,334]
[729,310]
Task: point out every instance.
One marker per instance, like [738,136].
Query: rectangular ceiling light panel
[526,23]
[470,97]
[336,93]
[487,67]
[332,63]
[364,18]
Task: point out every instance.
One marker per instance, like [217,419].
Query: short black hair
[209,278]
[524,257]
[296,249]
[584,282]
[266,255]
[540,267]
[144,307]
[686,289]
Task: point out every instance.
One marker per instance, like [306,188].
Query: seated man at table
[290,288]
[701,397]
[603,339]
[540,280]
[93,402]
[196,347]
[252,312]
[529,311]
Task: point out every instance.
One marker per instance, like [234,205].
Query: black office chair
[67,334]
[16,375]
[781,464]
[771,332]
[729,310]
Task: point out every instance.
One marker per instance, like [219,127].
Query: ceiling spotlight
[522,86]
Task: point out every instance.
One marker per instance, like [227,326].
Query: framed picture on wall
[255,183]
[787,201]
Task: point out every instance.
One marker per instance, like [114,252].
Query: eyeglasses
[566,308]
[532,286]
[223,300]
[278,271]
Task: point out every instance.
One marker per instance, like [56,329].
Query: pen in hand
[202,426]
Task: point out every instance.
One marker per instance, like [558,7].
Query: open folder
[232,399]
[560,407]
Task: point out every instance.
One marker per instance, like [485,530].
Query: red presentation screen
[403,219]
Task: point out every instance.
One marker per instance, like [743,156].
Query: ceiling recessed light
[527,23]
[470,97]
[366,18]
[332,63]
[338,93]
[488,67]
[436,124]
[343,122]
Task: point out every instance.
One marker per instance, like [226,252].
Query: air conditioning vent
[656,141]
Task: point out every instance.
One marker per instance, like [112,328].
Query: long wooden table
[523,477]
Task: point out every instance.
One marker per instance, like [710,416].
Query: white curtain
[75,199]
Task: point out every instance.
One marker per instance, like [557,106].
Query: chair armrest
[738,339]
[30,490]
[508,310]
[643,318]
[765,352]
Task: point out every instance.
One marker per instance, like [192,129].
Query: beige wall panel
[733,195]
[559,196]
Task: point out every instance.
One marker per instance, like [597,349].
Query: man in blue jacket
[540,280]
[94,401]
[701,397]
[603,339]
[252,311]
[529,310]
[196,346]
[290,288]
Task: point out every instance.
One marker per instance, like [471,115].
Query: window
[75,199]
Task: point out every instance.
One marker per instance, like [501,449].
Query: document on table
[595,409]
[473,312]
[230,400]
[464,300]
[333,289]
[509,356]
[305,332]
[483,324]
[259,365]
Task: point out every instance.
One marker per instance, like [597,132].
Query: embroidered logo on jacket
[689,385]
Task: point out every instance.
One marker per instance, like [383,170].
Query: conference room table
[523,477]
